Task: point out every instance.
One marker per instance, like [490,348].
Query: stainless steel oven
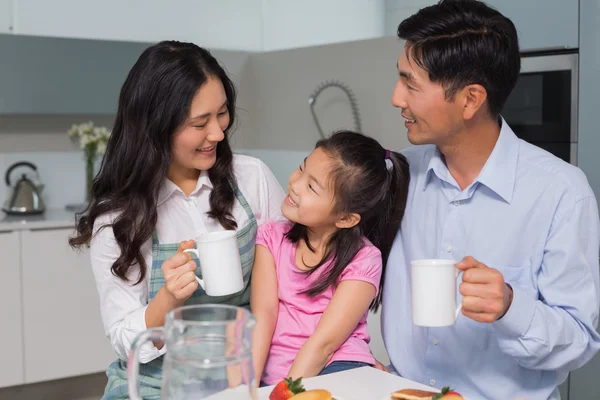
[542,108]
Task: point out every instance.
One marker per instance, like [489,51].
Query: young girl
[168,173]
[317,275]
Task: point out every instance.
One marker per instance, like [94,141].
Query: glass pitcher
[208,354]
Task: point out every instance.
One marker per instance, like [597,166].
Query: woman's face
[195,144]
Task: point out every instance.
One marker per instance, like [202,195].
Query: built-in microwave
[542,108]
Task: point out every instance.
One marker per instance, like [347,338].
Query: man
[524,223]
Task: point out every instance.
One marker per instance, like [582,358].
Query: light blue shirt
[534,218]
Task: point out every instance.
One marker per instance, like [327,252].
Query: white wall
[251,25]
[291,23]
[222,24]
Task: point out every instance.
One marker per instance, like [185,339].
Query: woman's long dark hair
[154,103]
[364,185]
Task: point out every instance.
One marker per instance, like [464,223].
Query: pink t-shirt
[299,314]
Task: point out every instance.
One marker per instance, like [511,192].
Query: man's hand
[486,297]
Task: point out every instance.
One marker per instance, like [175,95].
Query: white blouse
[123,305]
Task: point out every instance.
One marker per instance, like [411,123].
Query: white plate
[389,396]
[332,395]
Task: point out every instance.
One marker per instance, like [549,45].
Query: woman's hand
[180,283]
[179,274]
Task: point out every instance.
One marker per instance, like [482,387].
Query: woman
[167,175]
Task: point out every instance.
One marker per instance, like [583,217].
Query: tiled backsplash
[63,173]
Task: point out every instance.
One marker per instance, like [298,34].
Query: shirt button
[457,202]
[448,248]
[435,341]
[432,382]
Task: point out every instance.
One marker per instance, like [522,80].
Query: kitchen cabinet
[377,346]
[63,332]
[540,23]
[78,76]
[285,23]
[543,24]
[6,16]
[397,11]
[584,382]
[11,369]
[231,24]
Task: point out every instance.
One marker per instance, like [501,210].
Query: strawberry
[286,389]
[447,394]
[452,396]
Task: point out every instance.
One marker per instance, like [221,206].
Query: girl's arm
[348,305]
[264,303]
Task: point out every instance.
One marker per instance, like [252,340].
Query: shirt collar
[168,188]
[499,171]
[437,166]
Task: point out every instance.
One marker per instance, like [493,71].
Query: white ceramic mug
[220,263]
[433,285]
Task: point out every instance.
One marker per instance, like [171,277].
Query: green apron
[151,373]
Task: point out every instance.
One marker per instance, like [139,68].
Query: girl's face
[310,199]
[195,144]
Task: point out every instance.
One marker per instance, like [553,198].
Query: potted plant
[92,140]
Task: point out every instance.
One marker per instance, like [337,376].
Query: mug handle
[133,364]
[457,312]
[200,281]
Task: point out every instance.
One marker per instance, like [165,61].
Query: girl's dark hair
[154,103]
[464,42]
[362,184]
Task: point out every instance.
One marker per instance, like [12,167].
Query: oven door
[542,108]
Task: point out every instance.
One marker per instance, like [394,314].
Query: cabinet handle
[50,228]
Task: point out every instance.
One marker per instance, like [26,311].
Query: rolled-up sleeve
[122,303]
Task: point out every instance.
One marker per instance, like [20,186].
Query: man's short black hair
[463,42]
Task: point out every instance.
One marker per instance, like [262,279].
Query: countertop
[52,218]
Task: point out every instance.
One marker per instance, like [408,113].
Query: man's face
[429,117]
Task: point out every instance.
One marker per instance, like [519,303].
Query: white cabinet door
[293,24]
[62,326]
[11,367]
[6,16]
[231,24]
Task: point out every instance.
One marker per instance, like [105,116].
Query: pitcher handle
[133,365]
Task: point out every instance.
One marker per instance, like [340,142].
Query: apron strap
[243,202]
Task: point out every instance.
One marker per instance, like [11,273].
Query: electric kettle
[25,196]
